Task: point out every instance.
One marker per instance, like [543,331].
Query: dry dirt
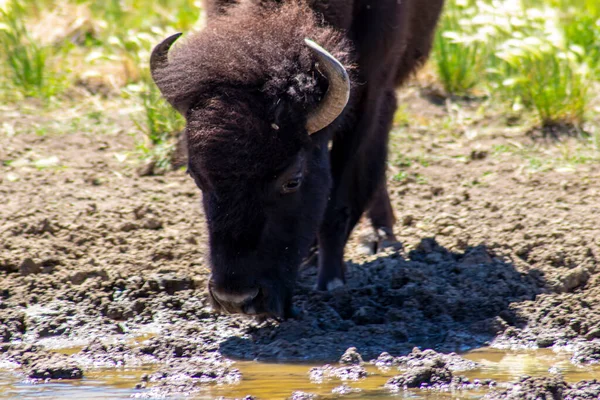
[90,252]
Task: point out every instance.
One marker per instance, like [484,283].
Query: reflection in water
[278,381]
[506,366]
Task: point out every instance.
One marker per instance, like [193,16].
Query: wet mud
[94,255]
[528,388]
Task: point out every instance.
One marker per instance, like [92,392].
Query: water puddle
[278,381]
[97,384]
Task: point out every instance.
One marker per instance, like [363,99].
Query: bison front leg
[332,239]
[358,160]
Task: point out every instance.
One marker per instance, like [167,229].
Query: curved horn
[337,95]
[159,58]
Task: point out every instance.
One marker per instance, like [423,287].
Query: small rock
[28,267]
[344,390]
[128,227]
[55,369]
[302,396]
[140,211]
[172,283]
[476,255]
[351,357]
[152,223]
[385,360]
[146,169]
[593,334]
[478,154]
[574,279]
[436,190]
[545,341]
[433,375]
[94,180]
[81,276]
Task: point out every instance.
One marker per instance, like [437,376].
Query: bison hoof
[330,286]
[334,284]
[291,313]
[379,242]
[389,244]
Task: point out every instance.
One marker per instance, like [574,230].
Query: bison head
[258,150]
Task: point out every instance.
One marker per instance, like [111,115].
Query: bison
[288,108]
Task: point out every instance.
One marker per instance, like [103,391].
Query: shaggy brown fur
[226,72]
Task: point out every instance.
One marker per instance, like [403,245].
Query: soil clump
[547,388]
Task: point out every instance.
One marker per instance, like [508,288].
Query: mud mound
[343,373]
[101,305]
[418,358]
[435,298]
[557,319]
[587,353]
[553,388]
[435,375]
[429,370]
[184,377]
[351,357]
[111,355]
[41,364]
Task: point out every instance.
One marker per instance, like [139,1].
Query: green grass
[112,44]
[26,63]
[459,56]
[405,177]
[134,27]
[538,55]
[158,122]
[549,81]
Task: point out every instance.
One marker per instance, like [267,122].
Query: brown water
[278,381]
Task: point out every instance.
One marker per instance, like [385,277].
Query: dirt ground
[494,254]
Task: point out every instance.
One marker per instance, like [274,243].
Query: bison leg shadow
[434,298]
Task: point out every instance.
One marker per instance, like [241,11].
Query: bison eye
[291,186]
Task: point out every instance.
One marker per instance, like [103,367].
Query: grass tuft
[159,123]
[548,80]
[26,61]
[536,55]
[459,55]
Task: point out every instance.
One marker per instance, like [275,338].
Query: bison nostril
[235,298]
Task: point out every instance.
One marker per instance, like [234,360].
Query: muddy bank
[38,363]
[92,254]
[433,298]
[552,388]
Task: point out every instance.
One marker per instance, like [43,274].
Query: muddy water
[100,384]
[278,381]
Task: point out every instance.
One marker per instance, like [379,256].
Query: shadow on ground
[433,298]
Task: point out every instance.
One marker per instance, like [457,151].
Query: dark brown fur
[250,71]
[224,63]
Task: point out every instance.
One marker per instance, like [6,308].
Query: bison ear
[159,60]
[337,95]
